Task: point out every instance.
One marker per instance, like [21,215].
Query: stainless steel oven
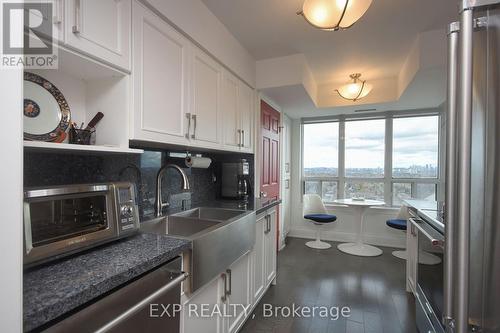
[430,277]
[64,219]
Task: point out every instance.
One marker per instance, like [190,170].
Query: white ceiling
[376,46]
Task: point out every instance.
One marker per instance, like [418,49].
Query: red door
[270,147]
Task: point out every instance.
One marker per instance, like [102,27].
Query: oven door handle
[429,232]
[146,301]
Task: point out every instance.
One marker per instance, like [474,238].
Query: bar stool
[398,224]
[315,211]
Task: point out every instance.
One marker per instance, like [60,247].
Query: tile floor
[372,287]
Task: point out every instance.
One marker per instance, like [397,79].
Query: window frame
[388,180]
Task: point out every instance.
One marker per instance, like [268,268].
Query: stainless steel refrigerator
[472,210]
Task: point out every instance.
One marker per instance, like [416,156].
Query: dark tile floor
[372,287]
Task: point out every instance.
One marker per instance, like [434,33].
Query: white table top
[365,203]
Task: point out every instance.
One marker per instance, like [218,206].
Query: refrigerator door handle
[451,173]
[464,120]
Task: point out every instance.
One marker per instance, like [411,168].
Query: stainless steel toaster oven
[65,219]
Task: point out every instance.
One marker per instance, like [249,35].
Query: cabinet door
[196,314]
[100,28]
[230,117]
[270,248]
[240,292]
[205,99]
[412,258]
[161,57]
[246,114]
[56,16]
[258,262]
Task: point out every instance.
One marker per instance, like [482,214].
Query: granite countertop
[56,288]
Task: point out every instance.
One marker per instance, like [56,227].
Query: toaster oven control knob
[127,210]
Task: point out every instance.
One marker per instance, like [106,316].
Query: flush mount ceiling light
[332,15]
[355,90]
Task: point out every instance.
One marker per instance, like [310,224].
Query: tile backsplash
[49,169]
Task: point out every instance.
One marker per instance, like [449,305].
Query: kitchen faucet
[159,177]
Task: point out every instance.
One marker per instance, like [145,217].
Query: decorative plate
[46,111]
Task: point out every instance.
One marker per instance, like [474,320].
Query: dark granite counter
[56,288]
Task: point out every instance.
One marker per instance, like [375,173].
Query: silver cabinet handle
[188,116]
[230,283]
[193,136]
[451,169]
[57,18]
[224,297]
[145,302]
[239,137]
[76,26]
[243,138]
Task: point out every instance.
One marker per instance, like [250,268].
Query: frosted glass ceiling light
[333,14]
[355,90]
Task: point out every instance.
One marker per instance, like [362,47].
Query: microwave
[62,220]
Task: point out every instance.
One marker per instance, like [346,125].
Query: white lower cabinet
[270,247]
[198,308]
[231,296]
[258,259]
[412,258]
[238,299]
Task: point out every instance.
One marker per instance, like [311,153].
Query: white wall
[210,33]
[11,198]
[375,230]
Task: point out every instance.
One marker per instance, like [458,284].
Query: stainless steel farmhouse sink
[209,213]
[219,237]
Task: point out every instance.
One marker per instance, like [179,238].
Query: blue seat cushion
[397,224]
[321,218]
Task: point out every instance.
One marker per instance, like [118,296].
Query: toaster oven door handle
[145,302]
[65,190]
[429,232]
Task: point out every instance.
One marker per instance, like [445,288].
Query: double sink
[219,237]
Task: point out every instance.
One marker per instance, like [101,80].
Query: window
[359,169]
[415,147]
[364,148]
[321,158]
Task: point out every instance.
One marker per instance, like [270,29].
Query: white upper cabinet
[238,111]
[246,114]
[100,28]
[205,107]
[232,135]
[160,80]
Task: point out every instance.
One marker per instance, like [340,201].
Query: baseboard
[348,237]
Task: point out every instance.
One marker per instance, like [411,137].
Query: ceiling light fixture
[332,15]
[355,90]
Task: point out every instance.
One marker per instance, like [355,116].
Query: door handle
[144,303]
[76,26]
[230,283]
[193,136]
[224,297]
[263,194]
[451,169]
[188,116]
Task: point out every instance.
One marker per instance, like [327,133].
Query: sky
[415,142]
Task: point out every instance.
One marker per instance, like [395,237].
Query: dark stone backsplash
[49,169]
